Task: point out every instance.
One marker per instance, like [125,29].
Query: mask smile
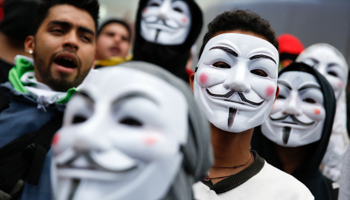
[294,120]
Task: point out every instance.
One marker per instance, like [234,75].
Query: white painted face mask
[329,62]
[166,22]
[236,81]
[120,139]
[298,114]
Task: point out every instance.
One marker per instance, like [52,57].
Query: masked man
[235,85]
[63,49]
[332,65]
[147,140]
[295,136]
[165,33]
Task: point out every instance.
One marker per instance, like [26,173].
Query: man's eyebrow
[133,95]
[85,95]
[262,56]
[309,86]
[86,30]
[227,50]
[285,84]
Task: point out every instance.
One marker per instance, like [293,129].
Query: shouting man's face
[236,80]
[63,47]
[166,22]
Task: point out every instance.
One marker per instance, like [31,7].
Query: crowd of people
[105,110]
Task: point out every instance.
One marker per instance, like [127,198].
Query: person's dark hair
[117,21]
[91,6]
[240,20]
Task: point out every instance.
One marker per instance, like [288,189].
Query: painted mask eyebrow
[309,86]
[134,95]
[285,84]
[227,50]
[85,95]
[262,56]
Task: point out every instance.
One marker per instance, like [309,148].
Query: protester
[14,28]
[295,136]
[63,49]
[165,32]
[289,49]
[147,140]
[113,43]
[235,85]
[332,65]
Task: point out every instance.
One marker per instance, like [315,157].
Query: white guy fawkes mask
[298,114]
[120,138]
[329,62]
[236,81]
[166,22]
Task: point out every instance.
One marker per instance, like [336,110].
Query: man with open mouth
[235,85]
[63,49]
[165,31]
[295,136]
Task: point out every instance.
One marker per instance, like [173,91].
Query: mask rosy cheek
[150,140]
[184,20]
[340,83]
[270,90]
[55,139]
[203,78]
[317,111]
[144,10]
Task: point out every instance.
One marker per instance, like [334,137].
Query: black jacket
[170,57]
[309,173]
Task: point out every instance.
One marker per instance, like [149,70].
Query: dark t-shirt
[4,73]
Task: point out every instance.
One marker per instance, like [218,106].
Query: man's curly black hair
[244,20]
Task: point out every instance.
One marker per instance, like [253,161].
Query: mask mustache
[91,162]
[230,93]
[163,23]
[294,119]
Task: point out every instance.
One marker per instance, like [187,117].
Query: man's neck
[10,47]
[230,149]
[292,158]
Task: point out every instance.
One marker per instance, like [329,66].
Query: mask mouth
[227,95]
[67,60]
[286,134]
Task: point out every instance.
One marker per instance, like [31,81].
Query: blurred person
[165,32]
[295,136]
[15,26]
[289,49]
[235,85]
[63,49]
[331,64]
[147,140]
[113,43]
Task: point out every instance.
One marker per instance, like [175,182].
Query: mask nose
[291,107]
[238,80]
[164,9]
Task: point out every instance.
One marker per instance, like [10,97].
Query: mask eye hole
[259,72]
[309,100]
[222,65]
[78,119]
[130,121]
[154,4]
[178,9]
[333,74]
[281,97]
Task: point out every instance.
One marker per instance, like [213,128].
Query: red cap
[289,44]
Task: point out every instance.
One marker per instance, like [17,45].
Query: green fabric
[23,66]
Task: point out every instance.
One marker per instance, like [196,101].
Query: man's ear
[29,44]
[277,92]
[191,80]
[93,64]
